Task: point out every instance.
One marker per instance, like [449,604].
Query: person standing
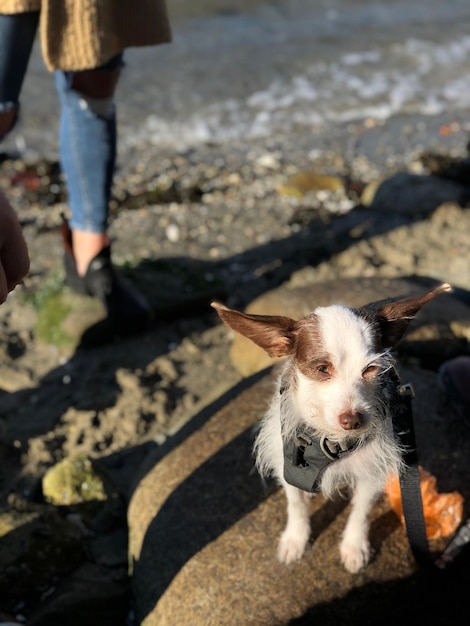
[83,44]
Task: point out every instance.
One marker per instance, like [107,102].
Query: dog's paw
[291,548]
[356,556]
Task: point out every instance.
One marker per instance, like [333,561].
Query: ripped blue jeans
[87,136]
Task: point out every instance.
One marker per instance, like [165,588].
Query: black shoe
[128,312]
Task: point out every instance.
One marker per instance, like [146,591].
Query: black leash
[409,477]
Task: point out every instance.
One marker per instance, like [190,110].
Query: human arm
[14,257]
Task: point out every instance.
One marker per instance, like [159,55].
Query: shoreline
[183,188]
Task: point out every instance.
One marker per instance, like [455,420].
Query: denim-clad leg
[87,145]
[17,34]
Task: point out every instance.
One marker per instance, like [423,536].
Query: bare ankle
[85,247]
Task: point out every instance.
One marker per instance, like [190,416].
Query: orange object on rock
[442,511]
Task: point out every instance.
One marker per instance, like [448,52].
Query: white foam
[415,76]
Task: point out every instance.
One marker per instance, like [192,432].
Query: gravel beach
[227,217]
[248,217]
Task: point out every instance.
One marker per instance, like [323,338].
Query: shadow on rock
[203,530]
[432,597]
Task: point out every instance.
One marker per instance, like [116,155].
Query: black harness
[307,455]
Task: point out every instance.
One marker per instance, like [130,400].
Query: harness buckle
[330,451]
[300,443]
[406,390]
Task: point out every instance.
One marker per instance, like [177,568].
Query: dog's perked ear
[274,333]
[393,317]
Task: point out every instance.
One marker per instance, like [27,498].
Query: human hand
[14,257]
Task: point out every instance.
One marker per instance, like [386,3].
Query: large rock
[413,194]
[440,331]
[203,531]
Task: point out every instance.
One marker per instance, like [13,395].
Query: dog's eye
[318,369]
[323,368]
[370,371]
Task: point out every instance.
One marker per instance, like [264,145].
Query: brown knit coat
[83,34]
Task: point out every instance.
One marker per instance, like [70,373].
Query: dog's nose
[351,420]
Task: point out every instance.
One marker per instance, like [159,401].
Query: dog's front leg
[355,547]
[297,531]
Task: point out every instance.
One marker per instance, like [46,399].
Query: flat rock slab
[439,332]
[204,529]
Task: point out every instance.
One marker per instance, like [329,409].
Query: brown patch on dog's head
[310,355]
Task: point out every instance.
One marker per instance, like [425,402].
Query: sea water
[239,69]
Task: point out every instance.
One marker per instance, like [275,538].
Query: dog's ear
[275,334]
[394,317]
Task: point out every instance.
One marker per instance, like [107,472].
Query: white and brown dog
[331,412]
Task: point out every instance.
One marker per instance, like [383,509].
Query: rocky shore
[215,222]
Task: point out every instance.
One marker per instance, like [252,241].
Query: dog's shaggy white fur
[336,381]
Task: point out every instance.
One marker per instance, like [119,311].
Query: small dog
[331,411]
